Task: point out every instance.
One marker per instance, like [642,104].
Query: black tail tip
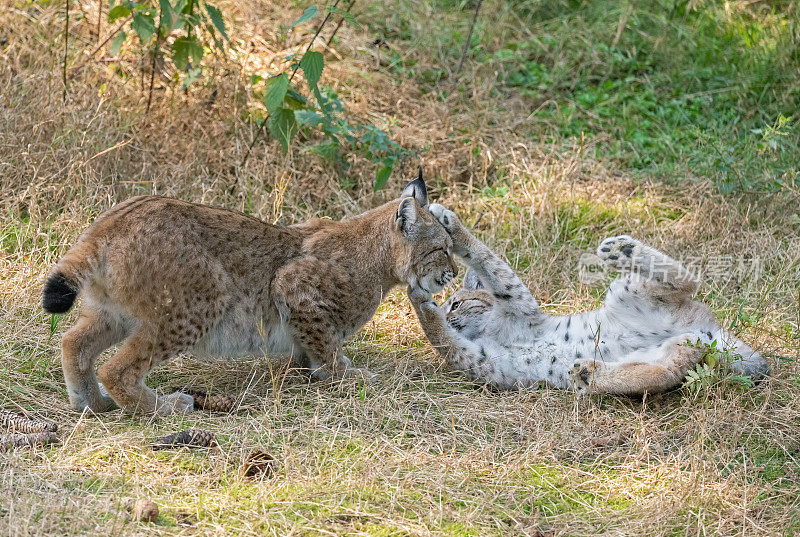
[59,293]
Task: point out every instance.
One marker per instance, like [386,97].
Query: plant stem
[311,43]
[260,130]
[341,21]
[153,63]
[469,37]
[101,45]
[99,16]
[66,48]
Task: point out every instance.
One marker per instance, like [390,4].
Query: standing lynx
[164,276]
[645,339]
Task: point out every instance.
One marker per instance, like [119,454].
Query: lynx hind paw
[621,251]
[582,373]
[446,217]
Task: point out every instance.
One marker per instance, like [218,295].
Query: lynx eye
[454,306]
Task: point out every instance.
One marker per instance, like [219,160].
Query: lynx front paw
[450,222]
[582,375]
[418,295]
[175,403]
[446,217]
[622,251]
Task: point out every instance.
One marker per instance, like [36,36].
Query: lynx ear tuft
[406,216]
[416,189]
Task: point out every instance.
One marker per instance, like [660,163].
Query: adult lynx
[165,276]
[647,336]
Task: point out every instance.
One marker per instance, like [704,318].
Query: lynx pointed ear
[416,189]
[406,216]
[471,280]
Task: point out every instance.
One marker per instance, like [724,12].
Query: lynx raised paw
[582,374]
[175,403]
[622,251]
[450,222]
[446,217]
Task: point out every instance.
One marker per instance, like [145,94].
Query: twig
[260,130]
[99,16]
[101,45]
[316,34]
[66,48]
[469,37]
[341,21]
[153,64]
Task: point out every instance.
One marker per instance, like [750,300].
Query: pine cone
[259,464]
[215,402]
[144,510]
[8,441]
[188,438]
[20,424]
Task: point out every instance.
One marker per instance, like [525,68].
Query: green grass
[657,87]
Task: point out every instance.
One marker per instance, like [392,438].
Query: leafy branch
[290,112]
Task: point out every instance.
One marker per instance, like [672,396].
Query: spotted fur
[646,337]
[164,276]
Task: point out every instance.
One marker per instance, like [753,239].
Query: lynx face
[430,259]
[423,248]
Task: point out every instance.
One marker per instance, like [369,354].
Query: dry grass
[421,452]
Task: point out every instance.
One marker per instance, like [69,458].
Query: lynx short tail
[67,277]
[60,292]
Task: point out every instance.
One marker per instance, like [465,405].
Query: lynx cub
[644,339]
[164,276]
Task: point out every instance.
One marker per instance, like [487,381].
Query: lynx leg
[660,273]
[460,353]
[81,345]
[644,371]
[513,296]
[124,374]
[323,351]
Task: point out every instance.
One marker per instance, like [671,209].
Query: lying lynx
[647,336]
[168,276]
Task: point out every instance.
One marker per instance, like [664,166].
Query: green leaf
[144,26]
[117,12]
[185,50]
[382,176]
[216,18]
[180,5]
[192,74]
[328,150]
[312,64]
[116,44]
[283,126]
[308,14]
[308,118]
[167,16]
[275,91]
[347,16]
[294,99]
